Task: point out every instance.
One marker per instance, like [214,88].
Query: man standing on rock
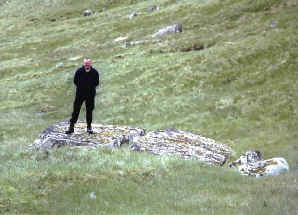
[86,80]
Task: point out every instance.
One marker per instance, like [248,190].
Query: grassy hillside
[240,88]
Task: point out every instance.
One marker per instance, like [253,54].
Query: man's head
[87,64]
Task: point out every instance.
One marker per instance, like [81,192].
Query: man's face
[87,65]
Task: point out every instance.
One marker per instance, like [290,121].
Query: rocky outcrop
[104,135]
[187,145]
[184,144]
[253,164]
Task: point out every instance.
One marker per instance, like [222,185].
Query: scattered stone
[253,164]
[75,58]
[132,43]
[177,28]
[87,12]
[153,8]
[187,145]
[119,39]
[59,64]
[133,15]
[103,9]
[92,195]
[11,27]
[274,24]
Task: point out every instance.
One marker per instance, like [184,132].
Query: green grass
[133,183]
[241,90]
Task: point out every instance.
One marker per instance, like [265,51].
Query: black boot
[70,129]
[89,129]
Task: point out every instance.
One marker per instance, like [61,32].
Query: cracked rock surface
[184,144]
[187,145]
[104,135]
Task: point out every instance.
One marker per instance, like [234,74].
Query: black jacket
[86,82]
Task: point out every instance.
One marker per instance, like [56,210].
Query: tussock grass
[240,89]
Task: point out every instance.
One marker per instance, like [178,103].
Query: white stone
[59,64]
[75,58]
[133,15]
[92,195]
[258,167]
[132,43]
[87,12]
[177,28]
[274,166]
[118,39]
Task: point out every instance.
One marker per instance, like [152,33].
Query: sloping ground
[230,75]
[240,88]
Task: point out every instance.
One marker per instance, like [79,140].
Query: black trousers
[79,100]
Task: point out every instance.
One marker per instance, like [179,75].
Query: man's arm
[76,78]
[96,80]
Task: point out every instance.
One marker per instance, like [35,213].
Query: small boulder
[133,15]
[177,28]
[119,39]
[59,64]
[153,8]
[253,164]
[75,58]
[87,12]
[132,43]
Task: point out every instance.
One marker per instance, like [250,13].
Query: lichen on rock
[184,144]
[253,164]
[104,135]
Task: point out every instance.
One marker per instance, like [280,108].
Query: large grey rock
[184,144]
[187,145]
[253,164]
[177,28]
[104,135]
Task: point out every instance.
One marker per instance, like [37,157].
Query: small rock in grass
[87,12]
[92,195]
[153,8]
[133,15]
[253,164]
[177,28]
